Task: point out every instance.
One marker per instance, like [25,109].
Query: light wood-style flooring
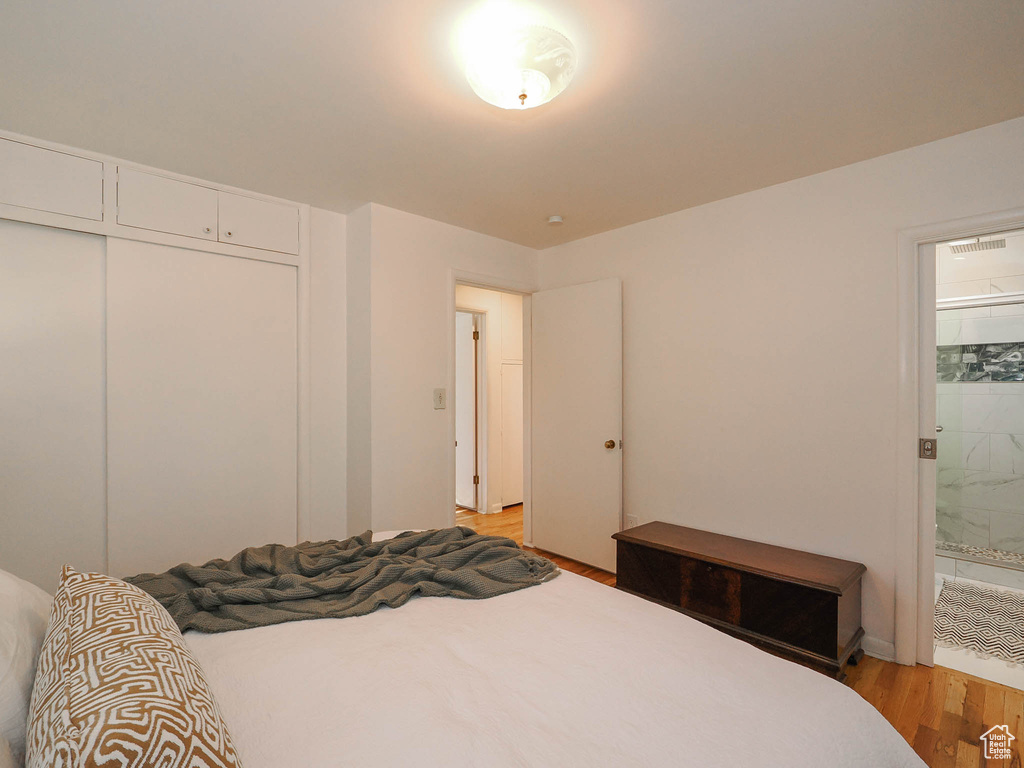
[940,712]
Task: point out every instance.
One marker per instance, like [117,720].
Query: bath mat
[989,622]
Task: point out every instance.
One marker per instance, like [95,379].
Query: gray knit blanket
[335,579]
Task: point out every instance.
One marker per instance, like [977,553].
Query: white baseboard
[879,649]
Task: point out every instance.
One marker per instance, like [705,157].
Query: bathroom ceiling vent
[978,245]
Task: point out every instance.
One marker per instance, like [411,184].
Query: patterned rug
[989,622]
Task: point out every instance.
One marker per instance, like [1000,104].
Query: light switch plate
[440,399]
[632,521]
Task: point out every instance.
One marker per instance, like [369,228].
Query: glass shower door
[979,505]
[951,370]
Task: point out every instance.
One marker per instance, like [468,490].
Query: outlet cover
[440,399]
[632,521]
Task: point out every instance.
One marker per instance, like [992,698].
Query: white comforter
[567,673]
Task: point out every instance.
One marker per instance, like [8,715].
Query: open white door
[465,411]
[577,421]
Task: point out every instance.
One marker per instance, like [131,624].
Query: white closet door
[52,503]
[511,434]
[201,405]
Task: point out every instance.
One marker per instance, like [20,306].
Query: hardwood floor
[509,522]
[940,712]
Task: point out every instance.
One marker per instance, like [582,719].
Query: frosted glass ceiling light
[518,67]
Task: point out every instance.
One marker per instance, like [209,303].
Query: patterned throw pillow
[117,686]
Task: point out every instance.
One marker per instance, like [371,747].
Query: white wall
[412,320]
[357,314]
[328,375]
[760,341]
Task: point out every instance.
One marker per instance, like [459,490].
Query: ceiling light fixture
[512,63]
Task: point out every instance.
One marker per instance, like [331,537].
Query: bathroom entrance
[979,503]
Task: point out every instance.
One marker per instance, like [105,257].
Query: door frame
[493,283]
[480,404]
[915,483]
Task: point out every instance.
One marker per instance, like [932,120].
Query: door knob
[609,444]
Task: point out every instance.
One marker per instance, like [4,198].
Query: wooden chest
[797,605]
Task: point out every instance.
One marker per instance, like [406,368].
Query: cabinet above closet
[47,180]
[74,189]
[154,202]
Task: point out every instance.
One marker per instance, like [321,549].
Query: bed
[568,672]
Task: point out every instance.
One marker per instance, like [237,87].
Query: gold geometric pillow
[117,686]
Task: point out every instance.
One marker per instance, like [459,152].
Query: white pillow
[24,614]
[6,758]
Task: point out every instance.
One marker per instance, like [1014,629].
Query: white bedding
[567,673]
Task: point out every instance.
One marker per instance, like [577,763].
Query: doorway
[488,403]
[979,500]
[916,421]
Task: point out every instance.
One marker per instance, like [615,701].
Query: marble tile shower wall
[980,495]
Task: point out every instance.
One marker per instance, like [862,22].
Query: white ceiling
[676,103]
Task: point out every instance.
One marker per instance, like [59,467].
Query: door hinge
[476,479]
[927,447]
[476,335]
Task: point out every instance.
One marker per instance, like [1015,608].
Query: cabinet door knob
[207,230]
[227,234]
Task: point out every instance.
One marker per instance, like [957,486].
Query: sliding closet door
[51,402]
[201,405]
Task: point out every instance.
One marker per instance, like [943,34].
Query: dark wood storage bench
[797,605]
